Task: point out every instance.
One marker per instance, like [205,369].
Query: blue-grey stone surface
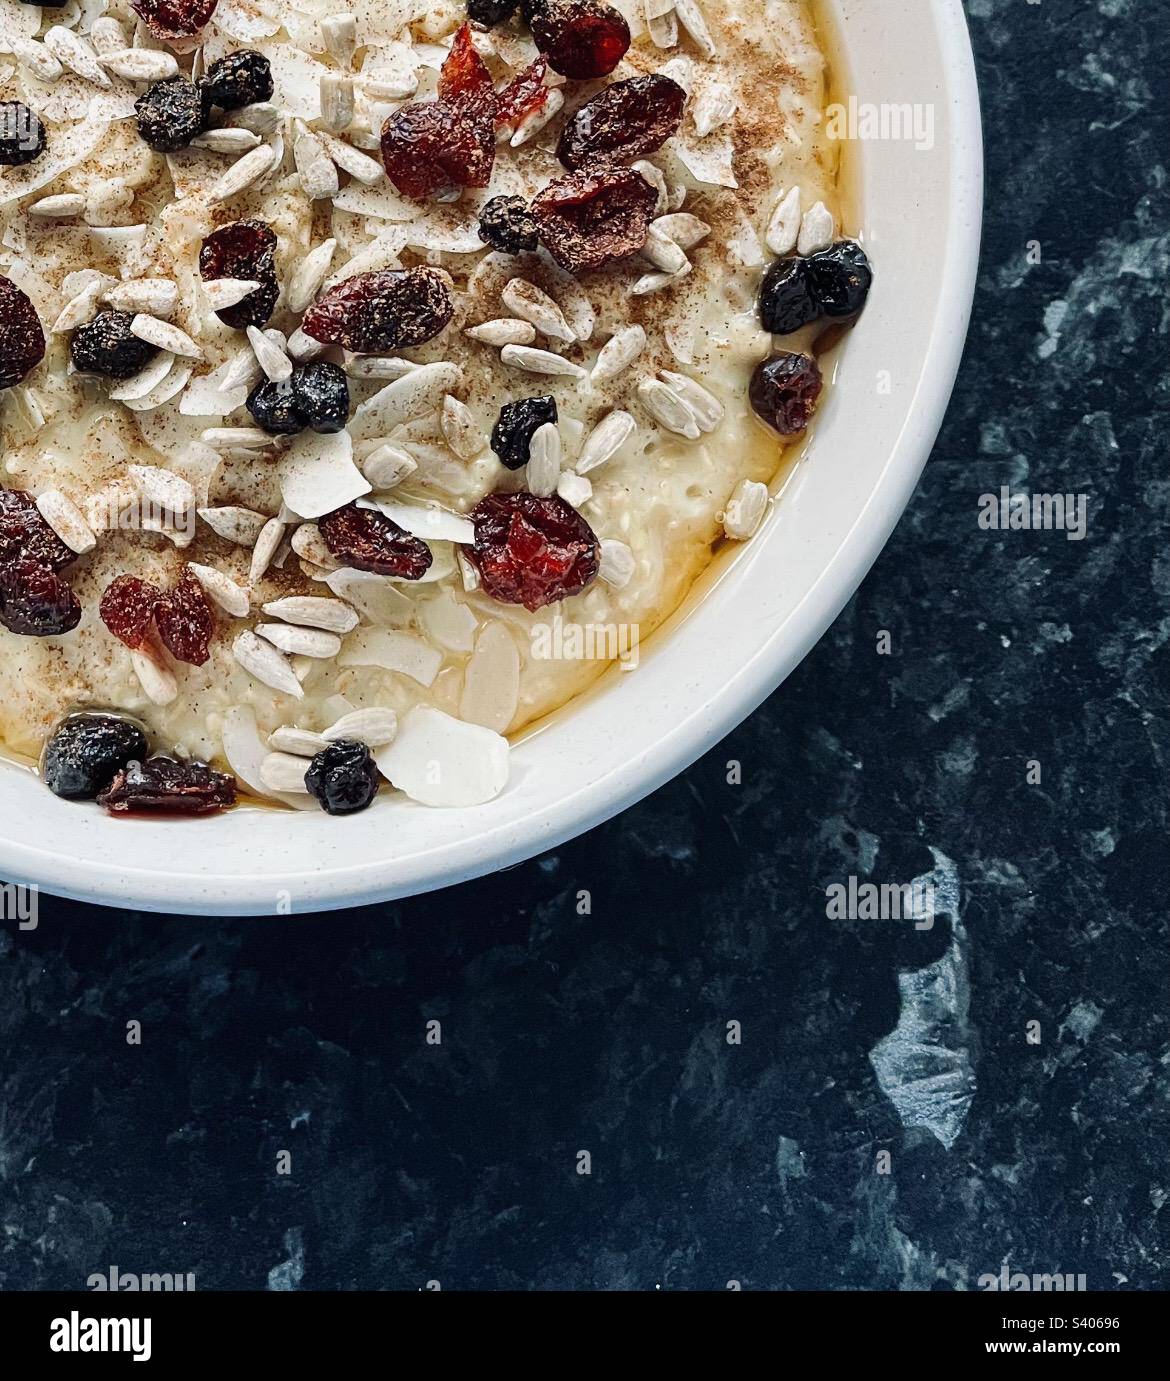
[908,1106]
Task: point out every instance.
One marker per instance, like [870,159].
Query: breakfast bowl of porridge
[427,427]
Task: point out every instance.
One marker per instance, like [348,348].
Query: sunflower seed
[261,118]
[527,301]
[37,58]
[618,353]
[226,140]
[236,438]
[690,16]
[605,440]
[574,489]
[467,572]
[66,520]
[702,402]
[301,642]
[336,102]
[816,229]
[663,253]
[316,169]
[503,331]
[744,510]
[544,460]
[164,489]
[308,543]
[374,726]
[165,335]
[313,611]
[712,108]
[74,53]
[272,360]
[377,367]
[108,36]
[263,661]
[784,224]
[463,433]
[667,408]
[535,361]
[79,309]
[239,525]
[64,204]
[226,292]
[231,598]
[267,542]
[243,173]
[284,772]
[654,175]
[662,23]
[310,274]
[683,228]
[531,124]
[140,64]
[301,743]
[655,282]
[616,566]
[340,34]
[156,296]
[243,372]
[352,161]
[387,466]
[159,685]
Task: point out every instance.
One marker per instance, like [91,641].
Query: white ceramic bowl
[764,609]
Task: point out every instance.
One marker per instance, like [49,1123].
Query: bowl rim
[498,846]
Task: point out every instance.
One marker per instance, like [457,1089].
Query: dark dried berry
[321,396]
[390,309]
[274,408]
[25,536]
[532,551]
[170,114]
[243,249]
[784,390]
[525,94]
[369,541]
[185,621]
[237,79]
[47,4]
[343,777]
[107,346]
[35,601]
[490,12]
[787,301]
[518,421]
[87,751]
[174,18]
[581,38]
[506,224]
[127,608]
[431,148]
[587,220]
[22,339]
[627,120]
[22,136]
[840,277]
[164,784]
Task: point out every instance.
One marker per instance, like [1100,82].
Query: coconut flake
[428,521]
[393,651]
[441,761]
[491,683]
[317,474]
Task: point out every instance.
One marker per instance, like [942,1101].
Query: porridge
[363,364]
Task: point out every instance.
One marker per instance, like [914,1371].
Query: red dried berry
[586,220]
[22,341]
[581,39]
[784,390]
[163,784]
[127,608]
[434,147]
[174,18]
[243,249]
[35,601]
[25,536]
[185,621]
[627,120]
[369,541]
[524,94]
[390,309]
[532,551]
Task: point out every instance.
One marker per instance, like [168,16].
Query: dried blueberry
[22,338]
[35,601]
[170,114]
[518,421]
[839,278]
[343,777]
[273,407]
[107,346]
[784,390]
[506,224]
[87,751]
[787,300]
[22,136]
[238,79]
[321,396]
[490,12]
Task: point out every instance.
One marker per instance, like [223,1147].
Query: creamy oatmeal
[172,434]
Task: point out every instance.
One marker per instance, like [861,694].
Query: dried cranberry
[627,120]
[524,94]
[185,621]
[174,18]
[107,346]
[532,551]
[506,224]
[35,601]
[389,309]
[22,341]
[127,608]
[22,136]
[490,12]
[433,148]
[160,783]
[514,429]
[343,778]
[586,220]
[243,249]
[25,536]
[369,541]
[784,390]
[581,39]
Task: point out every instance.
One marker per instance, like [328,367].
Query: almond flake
[616,566]
[314,166]
[440,761]
[259,118]
[464,435]
[387,466]
[690,16]
[411,396]
[491,682]
[164,489]
[784,223]
[576,490]
[340,34]
[337,105]
[58,207]
[317,474]
[140,384]
[392,651]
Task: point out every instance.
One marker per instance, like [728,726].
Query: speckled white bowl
[762,613]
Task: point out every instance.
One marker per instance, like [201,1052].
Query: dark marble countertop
[905,1107]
